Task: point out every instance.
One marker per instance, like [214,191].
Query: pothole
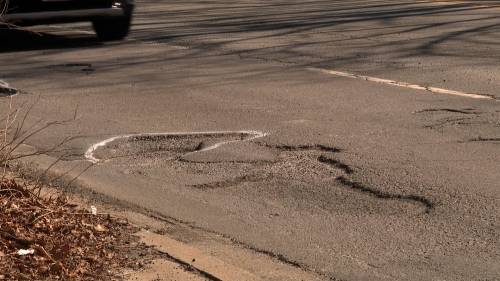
[222,161]
[164,146]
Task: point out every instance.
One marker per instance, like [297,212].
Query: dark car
[111,19]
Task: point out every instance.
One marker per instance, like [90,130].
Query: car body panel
[26,12]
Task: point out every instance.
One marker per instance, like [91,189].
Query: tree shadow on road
[368,36]
[293,28]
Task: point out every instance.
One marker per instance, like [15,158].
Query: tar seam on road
[433,90]
[89,154]
[427,203]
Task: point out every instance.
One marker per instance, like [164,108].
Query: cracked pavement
[354,180]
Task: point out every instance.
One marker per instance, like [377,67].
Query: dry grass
[15,133]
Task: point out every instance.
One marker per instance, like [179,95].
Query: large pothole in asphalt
[213,161]
[137,149]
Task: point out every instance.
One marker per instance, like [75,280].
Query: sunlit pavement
[355,179]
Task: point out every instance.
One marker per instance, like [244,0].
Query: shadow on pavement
[16,40]
[426,37]
[293,28]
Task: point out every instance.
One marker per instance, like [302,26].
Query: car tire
[112,28]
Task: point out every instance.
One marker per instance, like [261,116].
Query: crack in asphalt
[429,205]
[335,163]
[468,122]
[448,121]
[481,139]
[452,110]
[318,147]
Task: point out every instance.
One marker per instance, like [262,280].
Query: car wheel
[112,28]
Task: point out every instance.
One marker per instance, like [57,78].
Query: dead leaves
[63,242]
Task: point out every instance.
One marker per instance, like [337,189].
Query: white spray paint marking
[89,154]
[402,84]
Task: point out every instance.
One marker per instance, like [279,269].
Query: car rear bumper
[63,16]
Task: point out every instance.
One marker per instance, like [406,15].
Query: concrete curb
[209,266]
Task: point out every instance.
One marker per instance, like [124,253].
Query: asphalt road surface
[356,139]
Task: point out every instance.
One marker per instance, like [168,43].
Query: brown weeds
[66,242]
[42,235]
